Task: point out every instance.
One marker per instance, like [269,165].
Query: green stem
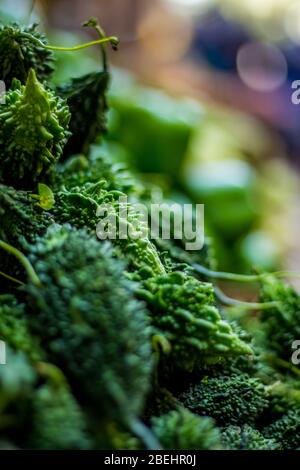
[52,372]
[10,278]
[103,52]
[93,23]
[23,260]
[281,363]
[113,40]
[240,277]
[225,300]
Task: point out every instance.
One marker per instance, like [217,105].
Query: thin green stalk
[240,277]
[10,278]
[23,260]
[52,372]
[281,363]
[113,40]
[93,23]
[228,301]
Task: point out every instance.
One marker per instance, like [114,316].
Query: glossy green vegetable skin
[182,310]
[156,129]
[19,52]
[228,191]
[90,352]
[33,133]
[89,322]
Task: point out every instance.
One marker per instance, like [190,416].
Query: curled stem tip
[23,260]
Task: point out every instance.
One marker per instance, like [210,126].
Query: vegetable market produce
[20,51]
[111,342]
[81,336]
[139,250]
[183,312]
[34,125]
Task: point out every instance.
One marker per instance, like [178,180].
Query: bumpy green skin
[173,251]
[86,98]
[176,258]
[87,318]
[79,205]
[86,315]
[246,438]
[286,430]
[181,430]
[20,216]
[282,324]
[183,311]
[57,421]
[33,132]
[19,52]
[79,170]
[14,329]
[21,219]
[236,399]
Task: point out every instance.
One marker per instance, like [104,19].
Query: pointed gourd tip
[32,81]
[31,76]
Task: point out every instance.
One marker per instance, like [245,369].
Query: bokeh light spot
[261,66]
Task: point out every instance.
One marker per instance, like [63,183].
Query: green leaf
[45,197]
